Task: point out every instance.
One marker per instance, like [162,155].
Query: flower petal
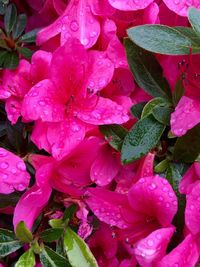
[129,4]
[181,7]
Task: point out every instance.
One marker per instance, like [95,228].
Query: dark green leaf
[26,52]
[19,26]
[163,40]
[11,60]
[114,134]
[10,18]
[162,114]
[194,18]
[3,6]
[190,34]
[26,260]
[147,71]
[77,250]
[136,109]
[9,200]
[178,92]
[187,147]
[162,166]
[51,235]
[148,108]
[8,242]
[23,233]
[3,54]
[29,37]
[69,212]
[144,136]
[50,258]
[3,44]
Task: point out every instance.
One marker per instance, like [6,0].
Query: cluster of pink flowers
[77,80]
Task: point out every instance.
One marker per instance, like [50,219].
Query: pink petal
[156,194]
[107,206]
[76,22]
[31,204]
[146,167]
[185,254]
[43,102]
[101,8]
[13,109]
[186,115]
[105,166]
[129,4]
[190,177]
[105,111]
[181,7]
[13,174]
[192,211]
[153,247]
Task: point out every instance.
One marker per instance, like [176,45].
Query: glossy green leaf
[144,136]
[26,52]
[136,110]
[146,70]
[49,258]
[78,251]
[11,60]
[26,260]
[161,166]
[8,242]
[9,200]
[23,233]
[178,92]
[148,108]
[56,223]
[69,212]
[114,134]
[10,18]
[194,18]
[187,147]
[51,235]
[162,114]
[164,40]
[20,25]
[29,37]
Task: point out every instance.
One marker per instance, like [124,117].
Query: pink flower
[13,174]
[181,7]
[129,5]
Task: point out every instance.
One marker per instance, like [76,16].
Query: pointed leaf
[148,108]
[3,7]
[27,53]
[20,25]
[162,114]
[147,71]
[144,136]
[29,37]
[8,242]
[23,233]
[26,260]
[11,60]
[10,18]
[136,109]
[194,18]
[51,235]
[69,212]
[178,92]
[77,250]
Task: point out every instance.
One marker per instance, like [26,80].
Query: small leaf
[3,54]
[26,260]
[77,251]
[26,52]
[23,233]
[147,71]
[136,109]
[3,6]
[29,37]
[194,18]
[11,60]
[51,235]
[162,114]
[163,40]
[162,166]
[8,242]
[10,18]
[144,136]
[114,134]
[56,223]
[20,25]
[148,108]
[9,200]
[50,258]
[178,92]
[187,147]
[69,212]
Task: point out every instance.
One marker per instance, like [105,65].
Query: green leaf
[11,60]
[136,109]
[20,25]
[51,235]
[162,114]
[187,147]
[29,37]
[26,260]
[178,92]
[77,251]
[147,71]
[23,233]
[56,223]
[144,136]
[114,134]
[50,258]
[3,54]
[162,166]
[194,18]
[164,40]
[148,108]
[3,6]
[8,242]
[9,200]
[10,18]
[69,212]
[26,52]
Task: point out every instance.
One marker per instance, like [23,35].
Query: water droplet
[21,166]
[85,41]
[142,180]
[102,82]
[4,165]
[20,187]
[165,189]
[150,242]
[171,194]
[176,2]
[192,207]
[152,186]
[4,176]
[167,205]
[74,26]
[93,34]
[3,153]
[42,103]
[164,181]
